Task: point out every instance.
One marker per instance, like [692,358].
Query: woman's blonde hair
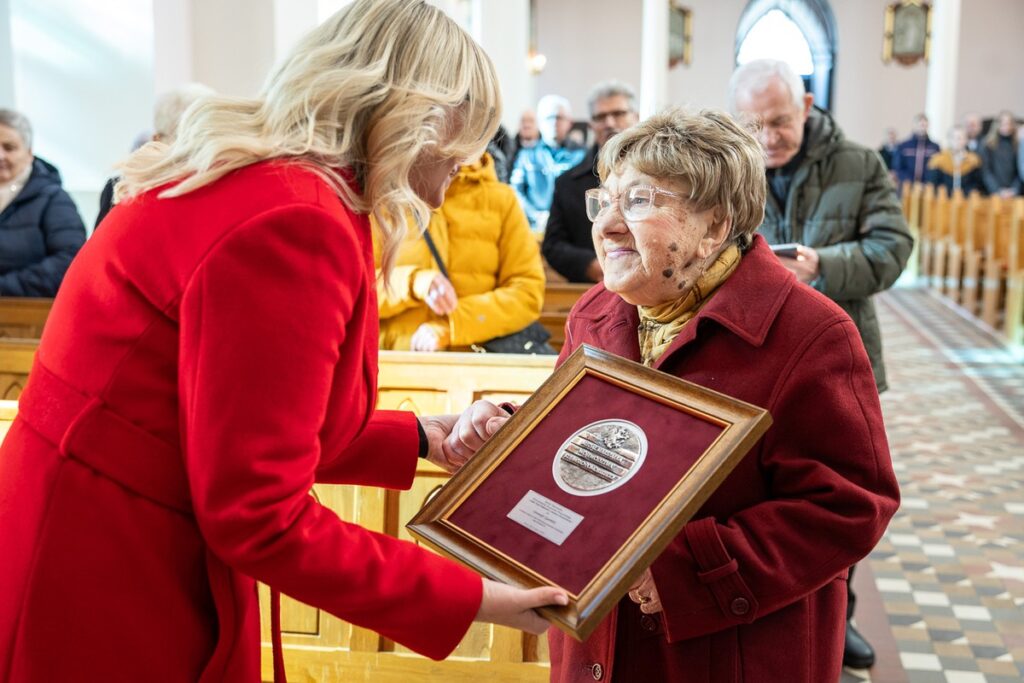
[371,89]
[992,136]
[718,162]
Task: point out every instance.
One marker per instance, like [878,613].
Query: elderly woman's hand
[644,593]
[454,439]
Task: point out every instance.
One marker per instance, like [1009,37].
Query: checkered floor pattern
[949,573]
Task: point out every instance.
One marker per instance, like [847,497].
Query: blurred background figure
[534,172]
[40,229]
[495,281]
[888,148]
[999,157]
[167,113]
[973,127]
[956,168]
[527,136]
[910,162]
[568,244]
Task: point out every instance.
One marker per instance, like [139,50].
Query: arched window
[799,32]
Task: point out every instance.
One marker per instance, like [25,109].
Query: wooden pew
[23,318]
[8,411]
[924,239]
[15,362]
[955,225]
[559,298]
[1013,313]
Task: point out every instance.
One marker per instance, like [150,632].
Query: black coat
[40,232]
[568,245]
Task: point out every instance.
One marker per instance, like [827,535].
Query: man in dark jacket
[568,245]
[833,202]
[910,161]
[40,229]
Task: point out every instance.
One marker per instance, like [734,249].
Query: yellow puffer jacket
[493,262]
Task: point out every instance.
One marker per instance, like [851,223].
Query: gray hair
[756,75]
[170,106]
[19,123]
[606,89]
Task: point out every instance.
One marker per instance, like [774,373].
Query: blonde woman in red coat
[213,354]
[754,587]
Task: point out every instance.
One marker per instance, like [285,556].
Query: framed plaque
[589,481]
[907,36]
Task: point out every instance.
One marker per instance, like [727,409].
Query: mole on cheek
[682,283]
[667,273]
[673,247]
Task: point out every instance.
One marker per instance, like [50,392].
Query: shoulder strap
[433,252]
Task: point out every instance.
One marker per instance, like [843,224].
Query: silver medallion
[600,457]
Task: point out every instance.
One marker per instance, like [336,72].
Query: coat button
[597,671]
[740,606]
[647,623]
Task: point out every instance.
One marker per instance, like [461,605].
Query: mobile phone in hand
[788,250]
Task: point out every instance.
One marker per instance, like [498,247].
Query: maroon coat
[754,588]
[208,358]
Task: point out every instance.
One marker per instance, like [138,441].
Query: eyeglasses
[635,204]
[618,115]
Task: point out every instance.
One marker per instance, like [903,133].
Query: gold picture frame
[509,515]
[908,30]
[680,34]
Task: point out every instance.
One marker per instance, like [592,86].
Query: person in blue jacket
[40,229]
[535,169]
[910,161]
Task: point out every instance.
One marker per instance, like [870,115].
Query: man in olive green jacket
[832,214]
[829,197]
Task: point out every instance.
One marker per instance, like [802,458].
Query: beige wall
[590,40]
[870,96]
[990,73]
[587,41]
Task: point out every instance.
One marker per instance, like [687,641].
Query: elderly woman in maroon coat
[753,588]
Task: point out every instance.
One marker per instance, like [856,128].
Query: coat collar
[746,305]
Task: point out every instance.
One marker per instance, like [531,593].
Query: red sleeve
[389,431]
[831,492]
[262,321]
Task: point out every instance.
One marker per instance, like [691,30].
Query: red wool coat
[754,588]
[207,360]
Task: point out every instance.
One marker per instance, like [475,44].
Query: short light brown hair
[718,162]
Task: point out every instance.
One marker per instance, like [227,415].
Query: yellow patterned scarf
[660,325]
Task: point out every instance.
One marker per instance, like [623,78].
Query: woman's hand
[513,607]
[441,297]
[644,593]
[428,337]
[454,439]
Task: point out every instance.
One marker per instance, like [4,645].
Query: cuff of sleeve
[458,598]
[421,280]
[424,442]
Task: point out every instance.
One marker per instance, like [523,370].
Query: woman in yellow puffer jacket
[492,258]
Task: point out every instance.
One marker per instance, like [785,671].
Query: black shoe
[857,653]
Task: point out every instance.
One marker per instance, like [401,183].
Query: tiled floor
[950,570]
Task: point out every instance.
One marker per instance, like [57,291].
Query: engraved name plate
[600,457]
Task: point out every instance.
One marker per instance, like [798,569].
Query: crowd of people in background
[987,157]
